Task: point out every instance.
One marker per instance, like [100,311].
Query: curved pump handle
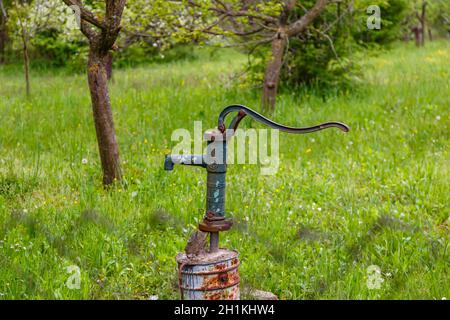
[244,111]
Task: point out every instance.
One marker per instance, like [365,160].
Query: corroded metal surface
[213,276]
[213,223]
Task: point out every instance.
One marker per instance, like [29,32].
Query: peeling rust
[220,267]
[214,223]
[220,281]
[232,294]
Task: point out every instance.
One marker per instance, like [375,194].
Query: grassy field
[340,203]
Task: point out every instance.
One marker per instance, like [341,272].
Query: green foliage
[56,50]
[150,31]
[392,14]
[44,25]
[156,31]
[322,60]
[439,17]
[138,54]
[326,55]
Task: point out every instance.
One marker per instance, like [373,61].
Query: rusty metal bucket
[211,276]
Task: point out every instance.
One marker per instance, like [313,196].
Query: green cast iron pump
[215,164]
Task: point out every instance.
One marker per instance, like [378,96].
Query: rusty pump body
[214,274]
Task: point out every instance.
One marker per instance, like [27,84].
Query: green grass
[340,203]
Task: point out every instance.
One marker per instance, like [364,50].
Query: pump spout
[191,160]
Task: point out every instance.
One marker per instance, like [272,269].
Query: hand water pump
[212,273]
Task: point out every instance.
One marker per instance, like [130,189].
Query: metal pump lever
[214,220]
[244,111]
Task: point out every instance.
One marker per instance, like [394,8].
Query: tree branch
[288,6]
[223,9]
[85,14]
[245,13]
[301,24]
[87,30]
[330,41]
[2,7]
[113,17]
[114,10]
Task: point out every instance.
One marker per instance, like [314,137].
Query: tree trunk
[102,33]
[273,70]
[417,35]
[422,23]
[3,42]
[103,119]
[285,30]
[3,32]
[3,39]
[109,63]
[430,34]
[26,61]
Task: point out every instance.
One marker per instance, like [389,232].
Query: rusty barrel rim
[236,266]
[182,258]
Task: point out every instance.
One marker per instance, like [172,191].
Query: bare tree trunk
[422,23]
[3,32]
[279,43]
[26,61]
[109,63]
[273,71]
[103,119]
[417,35]
[430,34]
[3,42]
[102,34]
